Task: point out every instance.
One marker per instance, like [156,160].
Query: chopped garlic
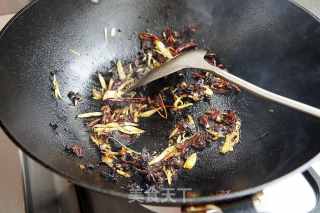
[124,174]
[169,175]
[90,114]
[191,161]
[231,139]
[121,73]
[96,94]
[162,49]
[112,94]
[56,88]
[171,150]
[102,82]
[148,113]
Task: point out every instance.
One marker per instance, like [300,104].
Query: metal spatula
[195,59]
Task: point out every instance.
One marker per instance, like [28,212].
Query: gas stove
[44,191]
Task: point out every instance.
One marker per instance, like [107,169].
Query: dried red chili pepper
[163,107]
[170,37]
[94,122]
[213,114]
[204,120]
[230,118]
[221,66]
[129,100]
[198,75]
[148,36]
[185,46]
[236,88]
[211,58]
[197,140]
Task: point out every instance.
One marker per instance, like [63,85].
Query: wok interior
[254,39]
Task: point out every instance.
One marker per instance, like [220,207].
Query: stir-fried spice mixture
[118,119]
[222,125]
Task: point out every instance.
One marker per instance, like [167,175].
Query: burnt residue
[109,175]
[74,97]
[53,125]
[75,149]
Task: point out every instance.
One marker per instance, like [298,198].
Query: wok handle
[314,180]
[242,205]
[262,92]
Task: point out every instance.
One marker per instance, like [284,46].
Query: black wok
[273,44]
